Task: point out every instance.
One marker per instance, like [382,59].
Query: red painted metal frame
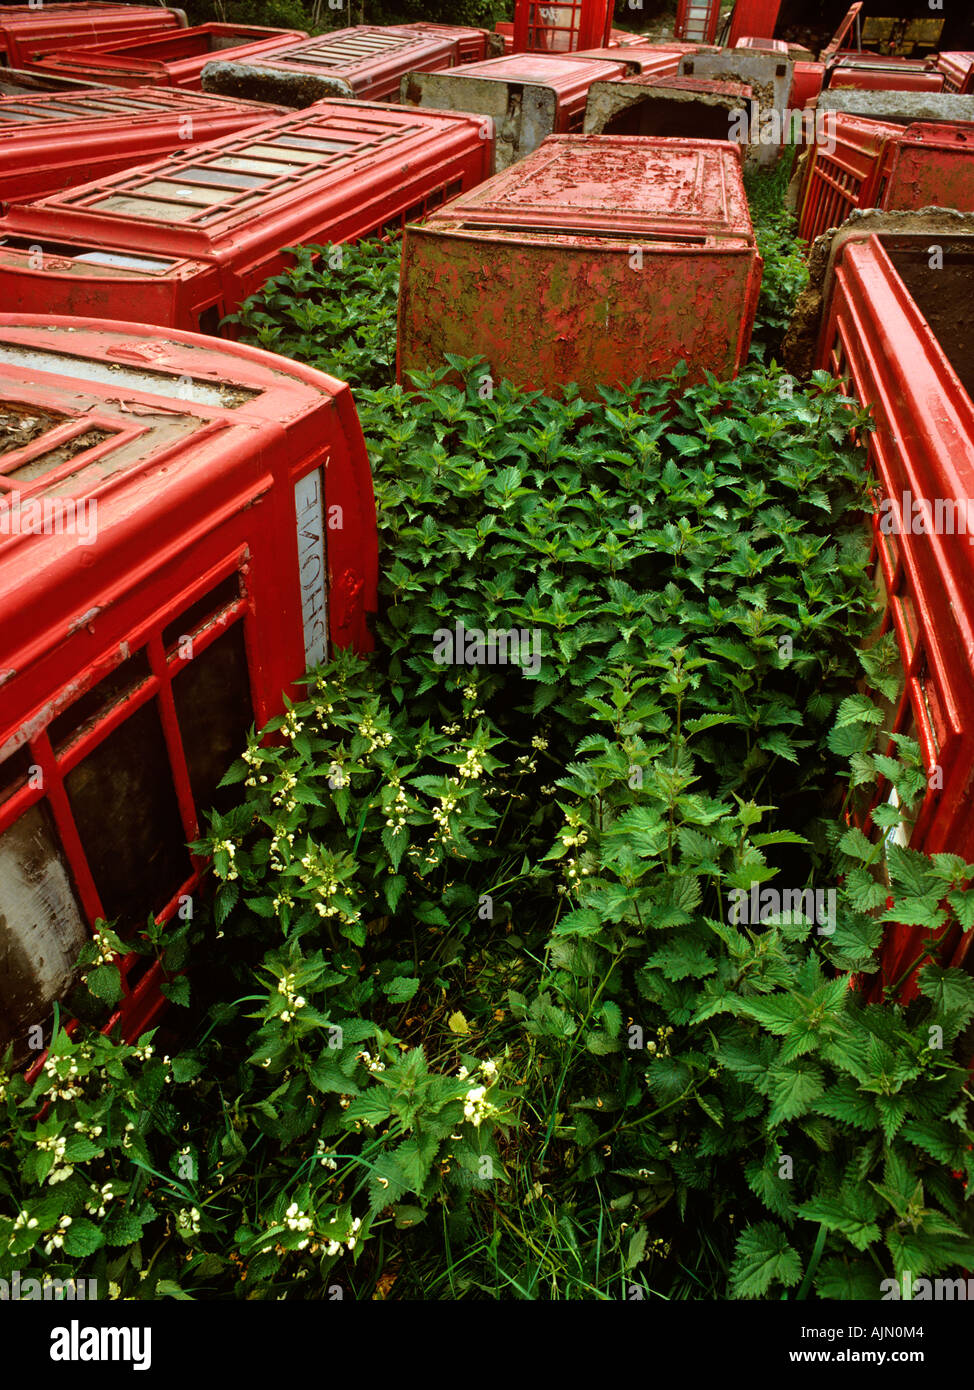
[871,72]
[657,60]
[50,142]
[838,182]
[207,442]
[761,45]
[25,35]
[923,445]
[697,20]
[366,62]
[334,172]
[473,45]
[534,271]
[958,71]
[561,26]
[166,60]
[851,17]
[884,165]
[753,18]
[929,165]
[806,84]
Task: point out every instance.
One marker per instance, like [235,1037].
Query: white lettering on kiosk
[312,565]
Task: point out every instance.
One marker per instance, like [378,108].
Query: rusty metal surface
[17,82]
[537,270]
[958,71]
[528,96]
[862,163]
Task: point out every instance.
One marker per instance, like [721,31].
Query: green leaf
[763,1257]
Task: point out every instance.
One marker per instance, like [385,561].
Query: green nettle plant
[553,978]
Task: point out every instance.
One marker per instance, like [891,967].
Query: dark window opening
[213,707]
[14,771]
[209,321]
[125,808]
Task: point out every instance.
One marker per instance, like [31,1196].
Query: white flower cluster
[371,1063]
[292,724]
[448,804]
[323,711]
[145,1052]
[470,692]
[105,953]
[476,1106]
[450,729]
[334,1247]
[376,739]
[295,1001]
[472,766]
[89,1131]
[579,837]
[97,1203]
[540,743]
[24,1222]
[188,1220]
[56,1241]
[324,1156]
[398,808]
[230,850]
[68,1091]
[297,1220]
[57,1144]
[283,797]
[280,837]
[527,764]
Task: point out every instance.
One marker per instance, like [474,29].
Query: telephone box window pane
[41,926]
[193,617]
[14,771]
[127,815]
[99,698]
[212,697]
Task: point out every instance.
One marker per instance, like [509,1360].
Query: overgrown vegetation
[785,270]
[484,1009]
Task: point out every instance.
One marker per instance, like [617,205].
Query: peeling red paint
[596,260]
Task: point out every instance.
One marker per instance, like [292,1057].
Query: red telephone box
[185,240]
[697,20]
[598,259]
[165,60]
[872,72]
[895,333]
[861,163]
[561,26]
[27,31]
[185,527]
[473,45]
[366,63]
[52,142]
